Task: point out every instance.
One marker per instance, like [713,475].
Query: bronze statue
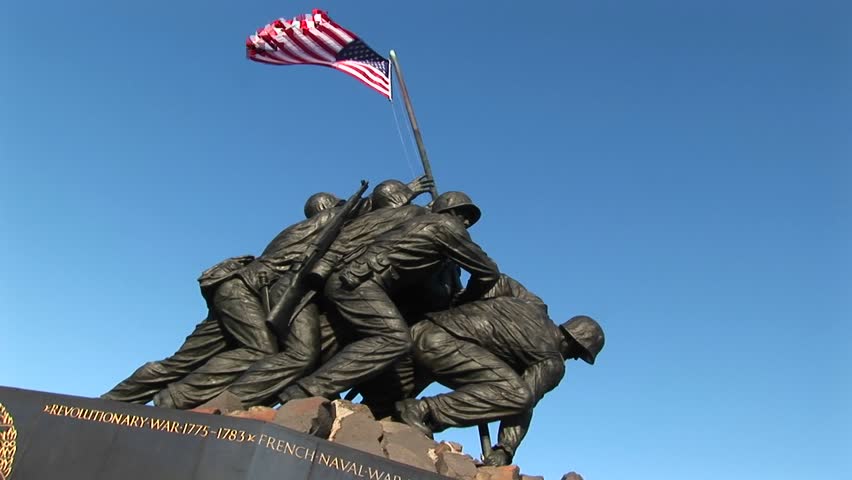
[311,335]
[234,335]
[406,379]
[379,310]
[361,291]
[499,355]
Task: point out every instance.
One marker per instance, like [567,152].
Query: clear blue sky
[680,170]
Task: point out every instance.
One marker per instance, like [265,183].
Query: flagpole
[424,159]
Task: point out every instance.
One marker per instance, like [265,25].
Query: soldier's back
[293,240]
[367,228]
[516,330]
[405,255]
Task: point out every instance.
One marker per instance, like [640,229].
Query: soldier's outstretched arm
[544,376]
[460,248]
[541,377]
[512,431]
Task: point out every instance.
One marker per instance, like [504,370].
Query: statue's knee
[164,399]
[425,340]
[525,398]
[518,395]
[303,357]
[424,331]
[399,341]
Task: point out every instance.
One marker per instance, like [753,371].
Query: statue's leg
[485,388]
[243,319]
[333,336]
[399,381]
[202,344]
[300,352]
[382,334]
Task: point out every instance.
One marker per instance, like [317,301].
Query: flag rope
[405,152]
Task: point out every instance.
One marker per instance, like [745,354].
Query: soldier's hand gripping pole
[286,307]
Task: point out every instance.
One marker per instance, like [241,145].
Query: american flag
[314,39]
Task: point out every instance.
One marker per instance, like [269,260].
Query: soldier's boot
[224,402]
[293,392]
[163,399]
[414,413]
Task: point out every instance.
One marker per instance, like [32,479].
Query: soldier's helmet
[457,201]
[319,202]
[391,193]
[588,333]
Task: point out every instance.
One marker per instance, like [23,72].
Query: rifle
[264,292]
[292,299]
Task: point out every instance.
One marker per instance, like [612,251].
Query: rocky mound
[353,425]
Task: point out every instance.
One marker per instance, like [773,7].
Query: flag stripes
[314,39]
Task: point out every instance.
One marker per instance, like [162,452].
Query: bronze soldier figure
[406,379]
[390,206]
[362,288]
[500,355]
[318,202]
[311,335]
[234,331]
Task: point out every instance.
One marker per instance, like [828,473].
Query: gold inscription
[306,453]
[127,420]
[278,445]
[354,468]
